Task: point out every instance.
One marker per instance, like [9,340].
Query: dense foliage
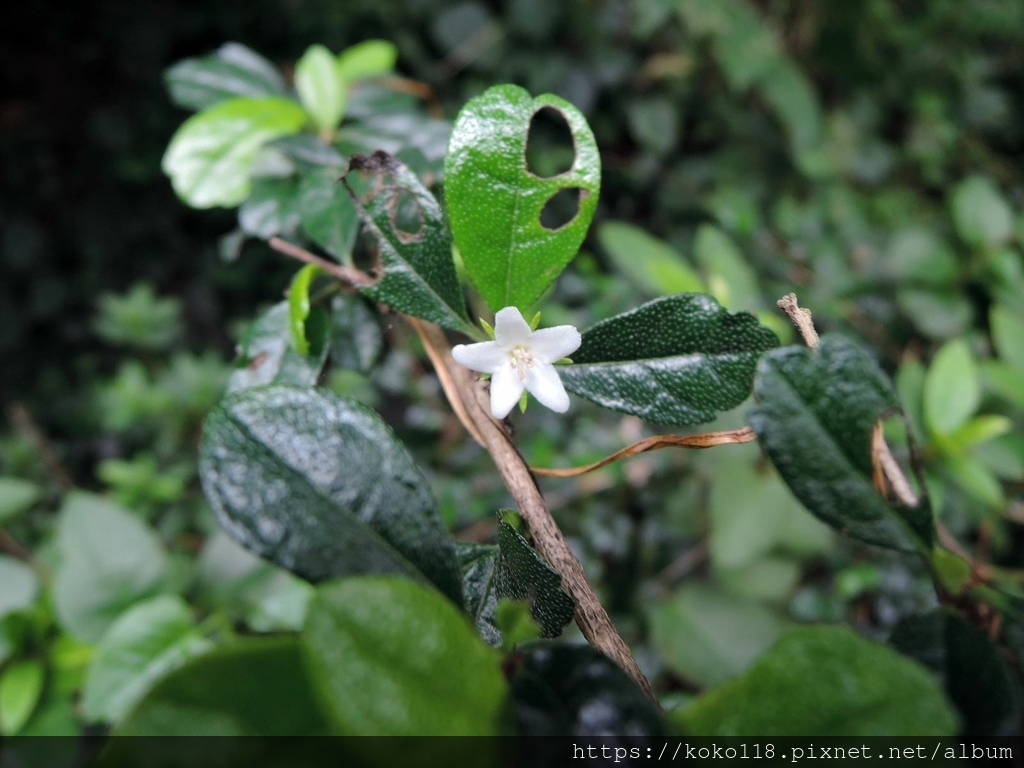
[699,160]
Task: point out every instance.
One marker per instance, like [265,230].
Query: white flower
[521,359]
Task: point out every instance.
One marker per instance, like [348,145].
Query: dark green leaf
[974,676]
[823,681]
[210,158]
[266,355]
[272,208]
[815,416]
[232,71]
[480,587]
[327,214]
[494,201]
[416,273]
[572,690]
[145,643]
[357,342]
[392,658]
[250,687]
[109,561]
[318,483]
[522,574]
[21,686]
[676,360]
[16,496]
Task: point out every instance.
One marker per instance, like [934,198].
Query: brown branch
[887,470]
[655,443]
[801,319]
[591,617]
[346,274]
[29,429]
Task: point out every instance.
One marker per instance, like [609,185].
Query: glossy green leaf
[981,215]
[969,667]
[1007,335]
[676,360]
[522,574]
[249,687]
[327,214]
[16,497]
[574,690]
[267,356]
[366,59]
[233,70]
[647,262]
[494,201]
[815,414]
[298,307]
[416,273]
[730,279]
[20,585]
[823,681]
[390,657]
[109,561]
[272,208]
[356,339]
[707,636]
[318,483]
[21,686]
[952,388]
[145,643]
[320,87]
[210,158]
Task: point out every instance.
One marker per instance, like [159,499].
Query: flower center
[521,360]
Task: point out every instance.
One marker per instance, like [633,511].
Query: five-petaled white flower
[521,359]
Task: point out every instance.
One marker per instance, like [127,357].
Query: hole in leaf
[561,208]
[366,253]
[406,215]
[550,149]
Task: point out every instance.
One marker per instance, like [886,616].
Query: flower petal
[506,389]
[486,356]
[510,329]
[543,383]
[551,344]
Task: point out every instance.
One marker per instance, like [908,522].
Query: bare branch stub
[801,319]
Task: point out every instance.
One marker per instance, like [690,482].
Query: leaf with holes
[495,202]
[675,360]
[267,356]
[317,483]
[815,415]
[416,273]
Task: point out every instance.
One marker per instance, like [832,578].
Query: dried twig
[347,274]
[801,319]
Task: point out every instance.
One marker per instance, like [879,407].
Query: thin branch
[655,443]
[28,428]
[591,617]
[346,274]
[801,319]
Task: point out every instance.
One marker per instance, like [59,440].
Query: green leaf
[980,429]
[981,215]
[356,339]
[266,355]
[940,313]
[969,667]
[731,280]
[815,415]
[791,95]
[391,658]
[145,643]
[823,681]
[20,586]
[574,690]
[109,561]
[253,686]
[648,263]
[21,686]
[480,588]
[975,478]
[366,59]
[318,483]
[676,360]
[233,70]
[522,574]
[416,273]
[708,636]
[1007,335]
[298,307]
[327,214]
[494,202]
[272,208]
[321,88]
[210,158]
[16,497]
[952,388]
